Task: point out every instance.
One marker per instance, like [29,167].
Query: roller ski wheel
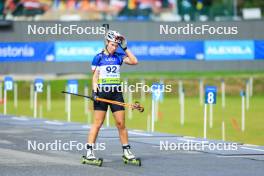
[95,162]
[134,161]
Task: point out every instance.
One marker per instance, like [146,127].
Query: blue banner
[26,51]
[77,51]
[65,51]
[167,50]
[259,49]
[229,50]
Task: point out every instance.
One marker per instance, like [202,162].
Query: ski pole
[136,105]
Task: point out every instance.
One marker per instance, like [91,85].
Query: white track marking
[86,127]
[5,142]
[189,137]
[140,134]
[53,123]
[261,150]
[18,158]
[232,156]
[20,118]
[190,140]
[250,145]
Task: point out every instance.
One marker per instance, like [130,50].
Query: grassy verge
[169,117]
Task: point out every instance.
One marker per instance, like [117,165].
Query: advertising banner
[77,51]
[176,50]
[26,51]
[229,50]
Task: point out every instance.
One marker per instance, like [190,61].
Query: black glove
[94,95]
[123,43]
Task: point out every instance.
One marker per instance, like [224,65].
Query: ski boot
[129,158]
[90,158]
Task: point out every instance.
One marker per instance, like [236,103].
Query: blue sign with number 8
[210,94]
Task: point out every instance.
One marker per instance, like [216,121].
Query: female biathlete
[106,84]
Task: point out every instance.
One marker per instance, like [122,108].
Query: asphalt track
[17,159]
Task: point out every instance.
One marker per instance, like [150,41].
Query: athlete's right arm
[95,71]
[95,80]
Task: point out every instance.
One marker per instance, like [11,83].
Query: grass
[193,75]
[169,116]
[169,110]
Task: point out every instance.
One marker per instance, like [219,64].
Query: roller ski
[95,161]
[90,158]
[129,158]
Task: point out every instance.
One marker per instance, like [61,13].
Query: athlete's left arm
[130,59]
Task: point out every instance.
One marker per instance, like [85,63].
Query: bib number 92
[111,69]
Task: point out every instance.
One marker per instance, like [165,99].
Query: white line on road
[17,158]
[53,123]
[20,118]
[140,134]
[252,149]
[250,145]
[5,142]
[190,137]
[190,140]
[86,127]
[232,156]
